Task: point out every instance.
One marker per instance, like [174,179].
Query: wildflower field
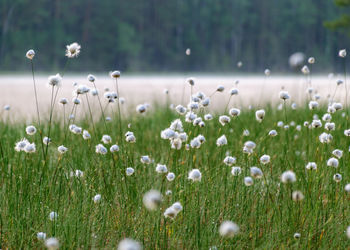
[176,176]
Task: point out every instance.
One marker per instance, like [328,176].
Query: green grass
[268,218]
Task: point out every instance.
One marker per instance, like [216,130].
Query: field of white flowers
[176,176]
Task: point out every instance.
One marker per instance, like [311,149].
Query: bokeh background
[152,35]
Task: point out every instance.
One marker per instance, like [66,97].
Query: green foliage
[343,22]
[31,188]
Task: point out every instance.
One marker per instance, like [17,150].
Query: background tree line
[152,35]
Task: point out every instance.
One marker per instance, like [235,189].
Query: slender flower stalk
[30,55]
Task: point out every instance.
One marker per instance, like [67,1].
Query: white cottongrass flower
[55,80]
[220,88]
[248,181]
[267,72]
[337,177]
[316,124]
[305,70]
[30,130]
[311,60]
[250,144]
[161,169]
[145,159]
[94,92]
[330,126]
[106,139]
[256,172]
[170,176]
[342,53]
[347,188]
[53,216]
[141,108]
[246,132]
[259,115]
[347,132]
[208,117]
[297,236]
[115,74]
[195,175]
[41,236]
[193,106]
[100,149]
[176,143]
[152,199]
[20,145]
[228,229]
[76,101]
[62,149]
[78,173]
[190,116]
[30,54]
[313,105]
[190,81]
[63,101]
[337,106]
[294,106]
[114,148]
[280,124]
[288,177]
[129,244]
[333,162]
[176,125]
[338,153]
[180,109]
[234,91]
[222,140]
[284,95]
[75,129]
[30,148]
[81,90]
[234,112]
[273,133]
[235,171]
[325,138]
[52,243]
[86,135]
[265,159]
[73,50]
[130,137]
[91,78]
[297,196]
[311,166]
[129,171]
[205,102]
[97,198]
[172,211]
[327,117]
[229,160]
[167,134]
[168,192]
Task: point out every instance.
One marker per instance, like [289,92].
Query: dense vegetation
[87,196]
[153,35]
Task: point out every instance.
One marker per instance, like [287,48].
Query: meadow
[176,176]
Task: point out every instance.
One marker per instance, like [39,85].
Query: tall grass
[267,216]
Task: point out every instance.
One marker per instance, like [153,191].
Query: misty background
[153,35]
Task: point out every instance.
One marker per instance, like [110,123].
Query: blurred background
[153,35]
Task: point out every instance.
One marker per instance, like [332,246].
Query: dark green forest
[152,35]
